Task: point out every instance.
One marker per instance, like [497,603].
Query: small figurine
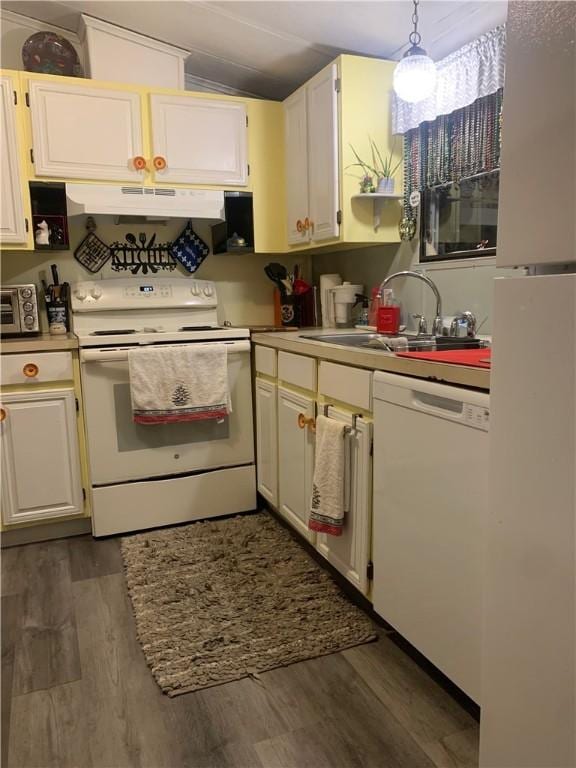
[42,234]
[366,184]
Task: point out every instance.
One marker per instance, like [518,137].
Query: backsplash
[464,286]
[245,294]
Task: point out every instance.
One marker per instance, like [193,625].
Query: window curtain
[463,141]
[470,73]
[462,144]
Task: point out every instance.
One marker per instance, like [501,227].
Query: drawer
[36,367]
[265,361]
[297,370]
[347,384]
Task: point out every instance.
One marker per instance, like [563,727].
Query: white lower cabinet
[41,476]
[267,440]
[295,459]
[350,552]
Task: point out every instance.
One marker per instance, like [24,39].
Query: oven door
[121,450]
[10,310]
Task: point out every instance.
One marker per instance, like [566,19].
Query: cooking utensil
[279,271]
[300,287]
[272,275]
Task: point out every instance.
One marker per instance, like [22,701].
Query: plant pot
[385,186]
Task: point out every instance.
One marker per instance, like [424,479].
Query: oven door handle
[117,355]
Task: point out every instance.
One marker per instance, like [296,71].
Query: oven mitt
[188,249]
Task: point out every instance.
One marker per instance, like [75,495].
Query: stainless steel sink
[415,343]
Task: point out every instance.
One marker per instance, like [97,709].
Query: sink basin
[415,343]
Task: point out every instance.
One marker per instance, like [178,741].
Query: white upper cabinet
[311,153]
[40,461]
[296,147]
[12,218]
[323,154]
[84,132]
[199,141]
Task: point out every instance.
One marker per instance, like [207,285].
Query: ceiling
[268,48]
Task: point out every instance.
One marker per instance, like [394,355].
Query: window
[460,219]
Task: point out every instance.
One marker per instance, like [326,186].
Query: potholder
[189,249]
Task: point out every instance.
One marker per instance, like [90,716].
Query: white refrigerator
[529,648]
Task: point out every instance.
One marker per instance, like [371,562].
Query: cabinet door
[85,132]
[202,141]
[295,460]
[323,154]
[267,440]
[12,217]
[350,552]
[296,150]
[40,460]
[535,225]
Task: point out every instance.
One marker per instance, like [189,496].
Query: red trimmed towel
[180,383]
[328,484]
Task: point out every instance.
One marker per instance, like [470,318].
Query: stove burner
[199,328]
[117,332]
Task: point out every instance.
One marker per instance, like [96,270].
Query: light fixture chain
[415,37]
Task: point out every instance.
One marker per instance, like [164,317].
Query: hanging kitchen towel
[189,249]
[179,383]
[328,484]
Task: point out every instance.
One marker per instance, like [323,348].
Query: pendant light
[415,73]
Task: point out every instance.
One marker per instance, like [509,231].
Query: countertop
[44,342]
[461,375]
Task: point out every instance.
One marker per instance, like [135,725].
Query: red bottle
[388,320]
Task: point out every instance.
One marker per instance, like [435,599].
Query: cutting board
[477,358]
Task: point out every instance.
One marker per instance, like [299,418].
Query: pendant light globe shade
[415,76]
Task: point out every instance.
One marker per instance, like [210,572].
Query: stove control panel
[134,293]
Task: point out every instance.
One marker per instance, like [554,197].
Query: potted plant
[380,168]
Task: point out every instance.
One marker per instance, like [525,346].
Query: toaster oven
[19,307]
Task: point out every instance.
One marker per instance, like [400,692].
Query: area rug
[220,600]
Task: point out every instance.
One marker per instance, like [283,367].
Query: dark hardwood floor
[76,691]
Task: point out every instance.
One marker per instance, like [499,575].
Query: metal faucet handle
[422,324]
[468,319]
[437,326]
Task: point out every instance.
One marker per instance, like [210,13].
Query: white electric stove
[145,476]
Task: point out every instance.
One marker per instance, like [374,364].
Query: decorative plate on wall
[50,54]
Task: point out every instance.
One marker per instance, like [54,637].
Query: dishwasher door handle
[436,404]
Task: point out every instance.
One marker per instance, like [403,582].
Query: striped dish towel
[328,484]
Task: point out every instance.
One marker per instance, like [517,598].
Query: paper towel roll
[327,305]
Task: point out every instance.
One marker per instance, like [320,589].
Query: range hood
[149,202]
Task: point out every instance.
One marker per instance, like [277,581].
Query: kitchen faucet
[437,324]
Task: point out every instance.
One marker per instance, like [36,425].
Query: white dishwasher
[430,509]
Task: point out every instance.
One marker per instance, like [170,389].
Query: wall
[464,285]
[245,293]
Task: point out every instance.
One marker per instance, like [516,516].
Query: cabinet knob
[306,224]
[306,421]
[139,163]
[159,163]
[30,370]
[299,226]
[3,414]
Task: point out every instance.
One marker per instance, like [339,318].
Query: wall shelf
[378,201]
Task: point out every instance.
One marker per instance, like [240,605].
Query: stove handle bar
[117,355]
